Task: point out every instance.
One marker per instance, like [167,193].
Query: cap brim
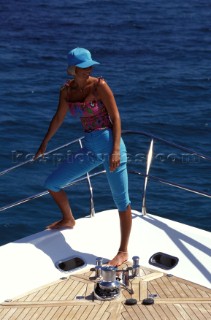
[86,64]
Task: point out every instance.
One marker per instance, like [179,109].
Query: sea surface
[155,55]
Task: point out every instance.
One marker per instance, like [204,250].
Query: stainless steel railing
[38,195]
[32,159]
[88,176]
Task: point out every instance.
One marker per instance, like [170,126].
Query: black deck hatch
[163,260]
[70,264]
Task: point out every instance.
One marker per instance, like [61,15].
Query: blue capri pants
[98,146]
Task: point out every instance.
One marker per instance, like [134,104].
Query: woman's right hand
[41,150]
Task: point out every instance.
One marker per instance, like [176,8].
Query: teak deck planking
[72,297]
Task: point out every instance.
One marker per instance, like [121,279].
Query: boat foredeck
[72,297]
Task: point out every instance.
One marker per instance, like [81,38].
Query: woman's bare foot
[62,224]
[68,220]
[119,259]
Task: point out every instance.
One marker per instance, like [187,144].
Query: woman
[92,100]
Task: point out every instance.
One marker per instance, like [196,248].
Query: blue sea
[155,55]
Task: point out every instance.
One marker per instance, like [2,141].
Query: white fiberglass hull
[29,263]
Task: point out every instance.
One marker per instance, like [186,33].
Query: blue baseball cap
[80,57]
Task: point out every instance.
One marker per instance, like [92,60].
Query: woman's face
[83,72]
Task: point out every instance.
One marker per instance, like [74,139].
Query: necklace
[81,89]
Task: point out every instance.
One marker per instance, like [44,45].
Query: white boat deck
[29,263]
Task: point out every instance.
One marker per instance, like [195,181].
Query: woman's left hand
[114,161]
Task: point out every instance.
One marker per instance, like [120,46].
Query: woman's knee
[50,185]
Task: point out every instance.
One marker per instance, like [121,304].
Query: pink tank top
[93,114]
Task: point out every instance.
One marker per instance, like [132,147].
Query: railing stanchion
[88,176]
[149,161]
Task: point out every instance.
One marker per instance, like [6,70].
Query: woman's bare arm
[106,95]
[55,123]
